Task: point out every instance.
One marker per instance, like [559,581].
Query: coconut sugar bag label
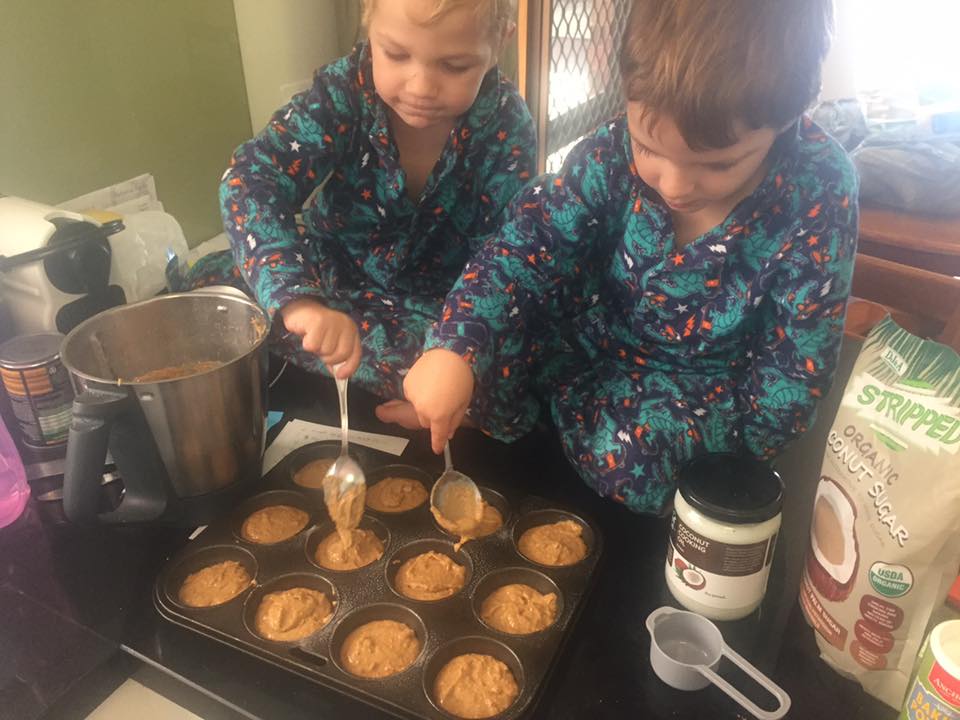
[885,534]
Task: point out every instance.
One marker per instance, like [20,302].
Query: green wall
[99,91]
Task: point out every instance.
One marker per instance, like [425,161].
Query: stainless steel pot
[184,447]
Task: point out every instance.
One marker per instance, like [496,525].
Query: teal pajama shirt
[644,353]
[361,245]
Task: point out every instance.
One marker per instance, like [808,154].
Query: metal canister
[935,692]
[39,388]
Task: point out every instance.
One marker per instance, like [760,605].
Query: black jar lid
[732,488]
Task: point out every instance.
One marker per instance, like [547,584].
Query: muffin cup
[371,613]
[404,471]
[316,536]
[272,498]
[536,518]
[206,557]
[466,645]
[303,456]
[287,582]
[510,576]
[418,548]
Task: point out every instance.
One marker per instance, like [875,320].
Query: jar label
[716,573]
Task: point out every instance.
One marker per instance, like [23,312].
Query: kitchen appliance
[55,266]
[188,440]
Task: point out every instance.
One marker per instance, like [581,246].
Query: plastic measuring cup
[14,490]
[685,650]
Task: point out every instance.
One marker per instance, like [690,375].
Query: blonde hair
[712,64]
[498,13]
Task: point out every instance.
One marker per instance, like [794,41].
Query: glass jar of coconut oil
[722,534]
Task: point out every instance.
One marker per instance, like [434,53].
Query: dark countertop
[70,597]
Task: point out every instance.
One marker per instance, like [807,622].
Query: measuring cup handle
[771,687]
[658,614]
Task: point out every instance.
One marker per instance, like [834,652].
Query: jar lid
[732,488]
[26,351]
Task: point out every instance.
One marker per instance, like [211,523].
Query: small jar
[722,534]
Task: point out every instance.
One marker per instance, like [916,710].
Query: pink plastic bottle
[14,491]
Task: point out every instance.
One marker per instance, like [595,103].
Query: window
[904,54]
[573,69]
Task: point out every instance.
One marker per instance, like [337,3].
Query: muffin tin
[446,628]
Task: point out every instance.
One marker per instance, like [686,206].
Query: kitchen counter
[70,597]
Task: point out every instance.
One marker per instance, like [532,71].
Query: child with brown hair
[680,286]
[406,152]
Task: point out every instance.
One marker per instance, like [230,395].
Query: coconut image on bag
[885,531]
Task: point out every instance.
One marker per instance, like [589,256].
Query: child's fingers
[439,434]
[312,341]
[352,362]
[329,350]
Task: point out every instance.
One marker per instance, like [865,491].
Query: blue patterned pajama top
[645,353]
[361,245]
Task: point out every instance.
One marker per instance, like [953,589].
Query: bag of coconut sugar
[885,535]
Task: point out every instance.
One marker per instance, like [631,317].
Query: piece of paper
[299,432]
[129,196]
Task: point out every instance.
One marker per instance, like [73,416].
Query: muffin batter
[475,686]
[274,524]
[379,649]
[361,548]
[215,584]
[430,576]
[396,494]
[293,614]
[490,522]
[519,609]
[311,475]
[345,510]
[555,544]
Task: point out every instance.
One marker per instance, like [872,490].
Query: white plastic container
[722,535]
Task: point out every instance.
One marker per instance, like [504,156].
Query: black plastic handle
[94,411]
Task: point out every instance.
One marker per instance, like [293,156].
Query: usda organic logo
[891,581]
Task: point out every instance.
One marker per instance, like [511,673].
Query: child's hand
[329,334]
[439,386]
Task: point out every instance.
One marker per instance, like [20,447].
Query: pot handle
[783,700]
[93,413]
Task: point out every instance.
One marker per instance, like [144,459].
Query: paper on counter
[299,432]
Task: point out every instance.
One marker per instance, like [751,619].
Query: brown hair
[499,13]
[711,64]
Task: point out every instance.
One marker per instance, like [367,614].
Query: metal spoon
[345,477]
[456,499]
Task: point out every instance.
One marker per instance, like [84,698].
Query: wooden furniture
[929,243]
[925,303]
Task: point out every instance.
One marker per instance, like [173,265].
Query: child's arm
[796,355]
[272,175]
[555,223]
[509,145]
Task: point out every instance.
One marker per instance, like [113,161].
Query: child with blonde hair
[353,212]
[679,287]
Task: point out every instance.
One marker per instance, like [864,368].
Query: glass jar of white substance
[722,535]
